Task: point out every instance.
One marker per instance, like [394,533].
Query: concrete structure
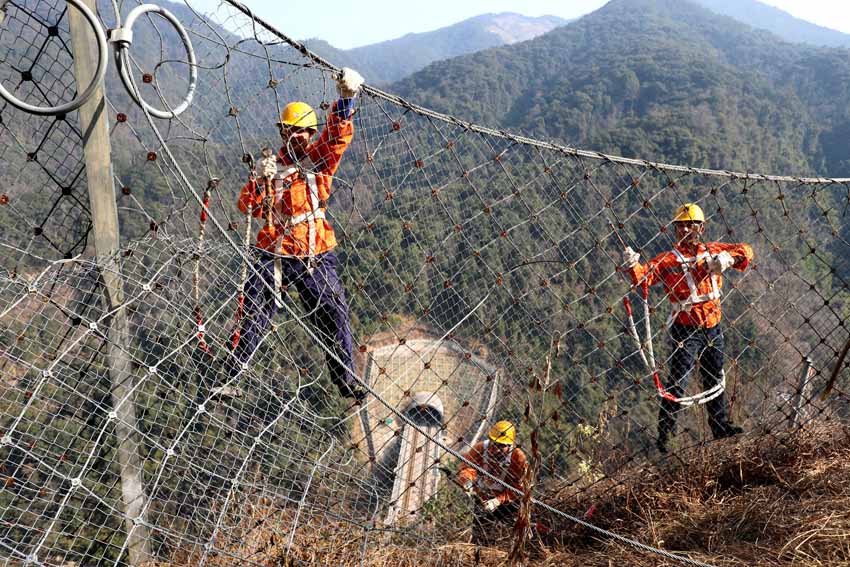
[417,473]
[442,387]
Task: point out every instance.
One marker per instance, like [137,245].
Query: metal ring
[122,60]
[96,81]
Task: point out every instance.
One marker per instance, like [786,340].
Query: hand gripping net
[465,254]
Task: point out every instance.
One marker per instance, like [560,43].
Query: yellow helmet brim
[689,212]
[503,433]
[298,115]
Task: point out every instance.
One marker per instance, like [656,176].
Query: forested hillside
[659,79]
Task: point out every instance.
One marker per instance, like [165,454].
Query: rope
[566,150]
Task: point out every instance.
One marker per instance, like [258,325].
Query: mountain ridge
[779,22]
[391,60]
[658,79]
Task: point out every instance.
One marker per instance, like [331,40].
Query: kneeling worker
[500,457]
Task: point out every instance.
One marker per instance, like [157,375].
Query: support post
[800,395]
[104,210]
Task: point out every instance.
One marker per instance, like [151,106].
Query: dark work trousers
[323,298]
[485,525]
[690,344]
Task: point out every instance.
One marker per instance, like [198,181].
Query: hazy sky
[361,22]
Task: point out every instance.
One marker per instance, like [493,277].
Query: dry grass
[759,502]
[762,502]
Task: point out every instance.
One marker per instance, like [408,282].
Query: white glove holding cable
[492,504]
[349,82]
[721,262]
[268,164]
[630,257]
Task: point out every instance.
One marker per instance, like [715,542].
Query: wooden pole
[104,211]
[801,394]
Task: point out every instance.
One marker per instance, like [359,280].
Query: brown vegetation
[762,502]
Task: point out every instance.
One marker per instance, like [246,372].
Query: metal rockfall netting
[466,255]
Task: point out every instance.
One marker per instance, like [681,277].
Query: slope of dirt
[773,501]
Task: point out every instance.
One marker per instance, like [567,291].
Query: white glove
[267,166]
[468,488]
[630,257]
[721,262]
[492,504]
[349,82]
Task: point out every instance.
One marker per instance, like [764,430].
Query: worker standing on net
[494,503]
[296,243]
[691,274]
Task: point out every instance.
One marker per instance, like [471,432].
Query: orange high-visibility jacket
[509,470]
[299,227]
[693,291]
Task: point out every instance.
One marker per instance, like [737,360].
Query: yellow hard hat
[298,114]
[503,433]
[689,212]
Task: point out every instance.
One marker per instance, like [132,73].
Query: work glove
[492,504]
[348,83]
[630,257]
[268,165]
[721,262]
[467,487]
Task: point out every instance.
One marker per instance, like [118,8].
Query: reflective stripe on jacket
[299,225]
[509,470]
[693,290]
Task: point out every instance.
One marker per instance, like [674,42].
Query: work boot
[355,392]
[728,430]
[661,443]
[357,396]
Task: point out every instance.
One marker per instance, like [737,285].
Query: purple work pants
[323,298]
[690,344]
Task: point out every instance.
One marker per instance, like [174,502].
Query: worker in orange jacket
[691,275]
[296,241]
[495,503]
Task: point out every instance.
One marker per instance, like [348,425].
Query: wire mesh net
[208,417]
